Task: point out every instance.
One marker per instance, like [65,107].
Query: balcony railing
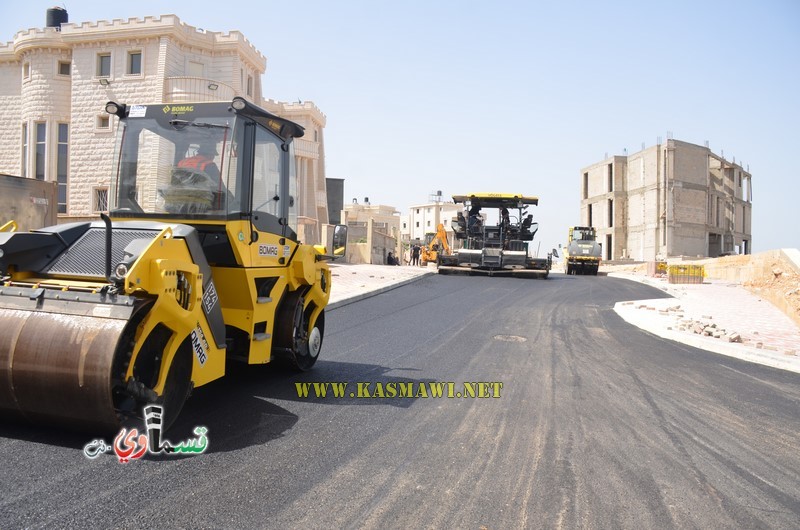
[306,148]
[198,89]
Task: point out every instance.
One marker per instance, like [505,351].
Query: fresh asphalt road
[597,425]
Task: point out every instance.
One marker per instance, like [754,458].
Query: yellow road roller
[197,264]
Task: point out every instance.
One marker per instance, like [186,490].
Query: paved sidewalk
[717,316]
[352,283]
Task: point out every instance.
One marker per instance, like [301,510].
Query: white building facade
[425,218]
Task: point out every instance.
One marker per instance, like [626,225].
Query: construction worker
[199,172]
[202,161]
[415,254]
[474,220]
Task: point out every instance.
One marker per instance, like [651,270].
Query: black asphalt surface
[597,425]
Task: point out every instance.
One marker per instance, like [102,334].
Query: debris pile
[702,326]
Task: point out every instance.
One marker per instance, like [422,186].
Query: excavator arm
[441,237]
[428,253]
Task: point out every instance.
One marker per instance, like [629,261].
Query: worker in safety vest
[198,172]
[203,161]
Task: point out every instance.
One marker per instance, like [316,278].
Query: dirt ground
[780,285]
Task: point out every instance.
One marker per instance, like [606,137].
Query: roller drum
[58,368]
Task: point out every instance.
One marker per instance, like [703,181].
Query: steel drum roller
[58,368]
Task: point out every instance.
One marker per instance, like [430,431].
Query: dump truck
[497,249]
[583,253]
[197,265]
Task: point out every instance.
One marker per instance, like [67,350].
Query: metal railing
[184,88]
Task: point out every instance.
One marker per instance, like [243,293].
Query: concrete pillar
[370,228]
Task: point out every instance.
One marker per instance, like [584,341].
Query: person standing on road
[415,254]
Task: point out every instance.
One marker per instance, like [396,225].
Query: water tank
[56,16]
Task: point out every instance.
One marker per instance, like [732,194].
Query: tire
[178,386]
[298,341]
[308,341]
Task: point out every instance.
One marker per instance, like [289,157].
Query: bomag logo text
[178,109]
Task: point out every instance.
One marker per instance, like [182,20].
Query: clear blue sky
[464,96]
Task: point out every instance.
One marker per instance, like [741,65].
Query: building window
[444,222]
[135,62]
[589,212]
[61,166]
[103,122]
[24,165]
[404,226]
[417,211]
[586,185]
[316,139]
[429,223]
[609,248]
[64,68]
[103,65]
[610,177]
[41,150]
[26,70]
[195,69]
[417,224]
[610,213]
[249,85]
[100,200]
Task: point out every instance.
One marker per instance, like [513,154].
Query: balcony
[196,89]
[306,148]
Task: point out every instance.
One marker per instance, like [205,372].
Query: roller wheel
[178,385]
[298,340]
[307,339]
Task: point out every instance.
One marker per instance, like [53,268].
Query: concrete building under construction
[671,199]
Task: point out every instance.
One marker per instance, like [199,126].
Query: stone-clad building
[672,199]
[55,81]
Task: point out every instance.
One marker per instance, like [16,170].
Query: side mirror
[339,241]
[338,245]
[555,252]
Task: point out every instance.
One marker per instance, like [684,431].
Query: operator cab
[193,164]
[513,227]
[583,233]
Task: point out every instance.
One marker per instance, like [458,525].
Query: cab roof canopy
[171,113]
[496,200]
